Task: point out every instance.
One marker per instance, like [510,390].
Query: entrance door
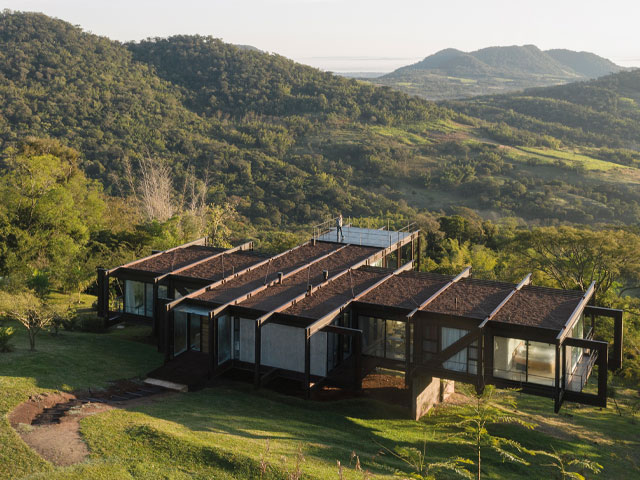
[179,333]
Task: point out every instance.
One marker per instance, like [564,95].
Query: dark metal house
[332,309]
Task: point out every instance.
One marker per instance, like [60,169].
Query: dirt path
[61,443]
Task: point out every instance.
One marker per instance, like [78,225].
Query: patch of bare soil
[61,443]
[50,422]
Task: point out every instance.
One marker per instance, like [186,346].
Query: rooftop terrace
[364,236]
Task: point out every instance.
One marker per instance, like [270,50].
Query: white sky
[338,34]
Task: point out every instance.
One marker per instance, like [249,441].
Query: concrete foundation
[428,391]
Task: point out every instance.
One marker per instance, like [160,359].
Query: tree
[50,212]
[5,336]
[218,218]
[483,411]
[573,258]
[152,188]
[28,309]
[421,468]
[563,462]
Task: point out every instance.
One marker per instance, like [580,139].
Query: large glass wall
[187,331]
[524,361]
[395,340]
[510,358]
[138,298]
[466,360]
[372,336]
[383,338]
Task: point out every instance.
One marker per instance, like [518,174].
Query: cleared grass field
[223,431]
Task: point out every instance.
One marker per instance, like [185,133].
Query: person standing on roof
[339,233]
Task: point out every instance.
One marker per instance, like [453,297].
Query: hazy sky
[365,32]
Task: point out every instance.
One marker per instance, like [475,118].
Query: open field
[223,431]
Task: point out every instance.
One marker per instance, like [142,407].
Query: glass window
[195,331]
[224,339]
[429,341]
[524,361]
[457,362]
[179,332]
[163,291]
[372,336]
[138,298]
[395,340]
[510,358]
[541,364]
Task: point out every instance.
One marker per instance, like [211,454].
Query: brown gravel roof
[181,257]
[336,293]
[268,272]
[295,285]
[470,298]
[539,307]
[224,265]
[406,290]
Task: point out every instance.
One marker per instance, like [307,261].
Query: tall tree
[49,212]
[573,258]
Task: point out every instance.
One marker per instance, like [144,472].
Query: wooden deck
[189,368]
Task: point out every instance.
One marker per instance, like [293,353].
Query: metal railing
[580,376]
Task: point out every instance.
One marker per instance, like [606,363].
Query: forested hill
[451,73]
[286,143]
[604,112]
[217,76]
[201,103]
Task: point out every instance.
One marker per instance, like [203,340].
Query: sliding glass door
[180,332]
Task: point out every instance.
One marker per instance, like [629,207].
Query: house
[331,310]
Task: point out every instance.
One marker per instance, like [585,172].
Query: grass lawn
[223,432]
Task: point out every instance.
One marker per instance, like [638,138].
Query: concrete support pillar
[427,391]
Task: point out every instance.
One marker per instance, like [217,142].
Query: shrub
[5,335]
[89,323]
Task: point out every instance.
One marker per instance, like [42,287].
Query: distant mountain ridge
[452,73]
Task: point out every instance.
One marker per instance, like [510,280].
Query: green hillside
[286,143]
[451,73]
[600,113]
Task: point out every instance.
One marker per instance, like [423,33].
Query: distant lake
[356,65]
